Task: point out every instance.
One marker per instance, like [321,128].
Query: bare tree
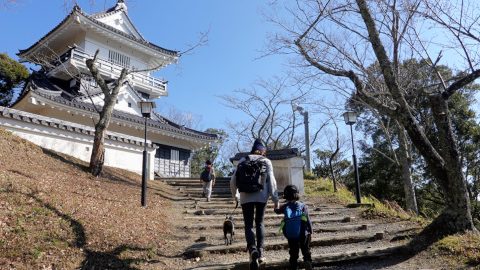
[342,39]
[110,93]
[184,118]
[270,115]
[110,98]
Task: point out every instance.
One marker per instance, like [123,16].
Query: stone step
[283,244]
[195,184]
[237,216]
[199,190]
[222,212]
[190,180]
[239,225]
[273,231]
[215,237]
[321,259]
[224,207]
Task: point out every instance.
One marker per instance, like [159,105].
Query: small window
[129,104]
[119,59]
[116,101]
[174,155]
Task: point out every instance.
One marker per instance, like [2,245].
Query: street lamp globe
[350,117]
[146,108]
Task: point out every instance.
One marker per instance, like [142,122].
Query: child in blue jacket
[296,226]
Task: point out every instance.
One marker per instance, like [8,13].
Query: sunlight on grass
[324,188]
[465,247]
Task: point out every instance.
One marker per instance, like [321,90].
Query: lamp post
[304,113]
[350,119]
[146,108]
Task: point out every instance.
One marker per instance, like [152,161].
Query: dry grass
[382,210]
[460,247]
[54,214]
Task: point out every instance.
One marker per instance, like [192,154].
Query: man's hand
[276,205]
[237,201]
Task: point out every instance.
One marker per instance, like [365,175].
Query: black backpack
[250,175]
[206,175]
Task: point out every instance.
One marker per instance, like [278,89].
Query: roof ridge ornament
[121,5]
[76,7]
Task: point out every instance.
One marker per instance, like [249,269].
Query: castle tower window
[119,59]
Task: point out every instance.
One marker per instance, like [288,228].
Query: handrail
[104,65]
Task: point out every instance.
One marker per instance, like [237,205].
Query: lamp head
[350,117]
[146,107]
[297,108]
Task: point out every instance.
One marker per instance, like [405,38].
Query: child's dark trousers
[299,244]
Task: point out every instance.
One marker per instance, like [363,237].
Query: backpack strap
[302,207]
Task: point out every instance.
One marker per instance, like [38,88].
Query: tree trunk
[332,171]
[405,163]
[110,97]
[334,178]
[98,152]
[442,159]
[456,216]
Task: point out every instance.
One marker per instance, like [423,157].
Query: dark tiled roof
[72,127]
[77,10]
[48,89]
[273,154]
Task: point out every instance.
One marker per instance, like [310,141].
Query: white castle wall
[288,172]
[118,154]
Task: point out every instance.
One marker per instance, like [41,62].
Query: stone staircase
[340,234]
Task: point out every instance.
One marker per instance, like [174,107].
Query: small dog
[228,229]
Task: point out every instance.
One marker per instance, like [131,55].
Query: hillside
[55,215]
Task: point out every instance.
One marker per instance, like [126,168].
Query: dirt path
[340,236]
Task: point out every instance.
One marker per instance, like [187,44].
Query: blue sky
[237,34]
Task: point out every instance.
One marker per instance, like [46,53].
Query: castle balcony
[73,62]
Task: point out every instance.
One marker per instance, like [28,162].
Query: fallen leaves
[53,213]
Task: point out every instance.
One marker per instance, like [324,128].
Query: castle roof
[58,92]
[78,17]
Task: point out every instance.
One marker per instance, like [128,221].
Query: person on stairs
[207,178]
[296,226]
[252,191]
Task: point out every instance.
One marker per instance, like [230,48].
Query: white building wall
[94,42]
[288,172]
[126,102]
[117,154]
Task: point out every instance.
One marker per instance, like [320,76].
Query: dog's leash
[236,206]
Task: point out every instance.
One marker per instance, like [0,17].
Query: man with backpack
[251,185]
[296,227]
[207,177]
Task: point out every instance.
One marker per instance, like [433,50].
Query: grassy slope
[457,251]
[53,213]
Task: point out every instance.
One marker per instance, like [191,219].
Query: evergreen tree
[209,152]
[12,75]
